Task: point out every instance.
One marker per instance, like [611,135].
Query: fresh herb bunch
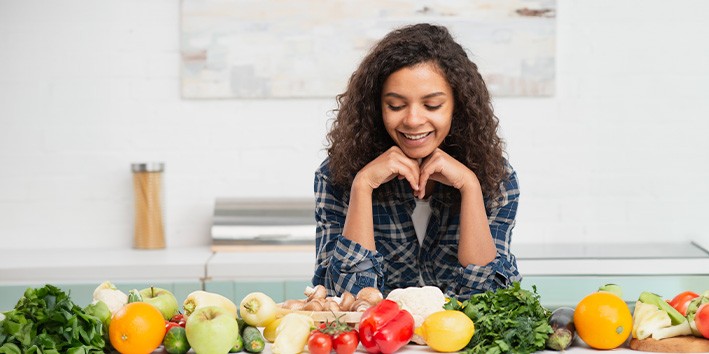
[507,320]
[45,320]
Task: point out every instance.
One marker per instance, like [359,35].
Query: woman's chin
[417,153]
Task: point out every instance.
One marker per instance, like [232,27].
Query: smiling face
[417,107]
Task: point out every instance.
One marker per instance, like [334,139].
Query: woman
[415,190]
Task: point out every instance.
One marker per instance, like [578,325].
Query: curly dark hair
[357,134]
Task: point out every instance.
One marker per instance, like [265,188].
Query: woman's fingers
[392,163]
[443,168]
[406,167]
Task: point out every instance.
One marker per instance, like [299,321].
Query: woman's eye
[433,108]
[396,108]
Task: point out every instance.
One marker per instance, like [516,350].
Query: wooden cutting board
[682,344]
[323,316]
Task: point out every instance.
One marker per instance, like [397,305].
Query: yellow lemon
[269,332]
[447,331]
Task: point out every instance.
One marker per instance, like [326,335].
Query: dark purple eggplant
[562,322]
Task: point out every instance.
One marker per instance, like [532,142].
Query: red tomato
[682,300]
[345,342]
[170,324]
[319,343]
[701,319]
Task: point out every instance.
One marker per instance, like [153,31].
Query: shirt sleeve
[502,271]
[341,265]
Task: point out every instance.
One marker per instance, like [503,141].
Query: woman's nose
[414,116]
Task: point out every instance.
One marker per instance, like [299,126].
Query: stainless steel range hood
[263,221]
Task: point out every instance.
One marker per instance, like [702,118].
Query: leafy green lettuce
[508,320]
[46,321]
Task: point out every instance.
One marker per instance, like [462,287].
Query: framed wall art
[309,48]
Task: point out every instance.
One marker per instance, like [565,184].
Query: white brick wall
[86,87]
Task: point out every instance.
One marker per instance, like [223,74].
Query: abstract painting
[309,48]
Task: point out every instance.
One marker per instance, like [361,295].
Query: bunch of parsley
[46,321]
[508,320]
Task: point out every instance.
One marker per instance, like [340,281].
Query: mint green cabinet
[278,290]
[558,291]
[554,291]
[82,293]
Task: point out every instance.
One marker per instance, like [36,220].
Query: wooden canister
[147,185]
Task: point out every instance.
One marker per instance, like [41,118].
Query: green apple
[212,329]
[162,299]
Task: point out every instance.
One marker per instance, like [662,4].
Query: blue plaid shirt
[399,261]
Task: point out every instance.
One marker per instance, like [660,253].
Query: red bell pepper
[385,328]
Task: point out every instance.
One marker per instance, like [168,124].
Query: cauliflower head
[421,302]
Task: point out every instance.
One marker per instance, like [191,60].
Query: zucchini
[562,322]
[253,340]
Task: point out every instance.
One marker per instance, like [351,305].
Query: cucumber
[253,340]
[239,346]
[241,324]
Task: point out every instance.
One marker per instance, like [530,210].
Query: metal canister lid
[148,167]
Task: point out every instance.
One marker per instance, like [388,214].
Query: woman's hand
[359,226]
[392,163]
[441,167]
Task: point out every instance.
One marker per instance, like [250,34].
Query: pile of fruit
[45,320]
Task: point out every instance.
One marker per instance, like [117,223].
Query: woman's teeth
[417,136]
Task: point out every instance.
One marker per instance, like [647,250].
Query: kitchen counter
[98,265]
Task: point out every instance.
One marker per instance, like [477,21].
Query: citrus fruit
[175,341]
[603,320]
[136,328]
[447,331]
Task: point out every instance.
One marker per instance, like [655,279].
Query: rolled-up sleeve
[502,271]
[341,265]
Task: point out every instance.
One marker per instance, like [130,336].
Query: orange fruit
[603,320]
[136,328]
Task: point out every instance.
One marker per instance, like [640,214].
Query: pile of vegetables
[45,320]
[683,315]
[510,320]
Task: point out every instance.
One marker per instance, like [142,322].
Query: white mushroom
[371,294]
[346,301]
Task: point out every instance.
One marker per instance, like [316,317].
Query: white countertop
[578,347]
[98,265]
[200,263]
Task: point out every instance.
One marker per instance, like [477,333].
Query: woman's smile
[416,136]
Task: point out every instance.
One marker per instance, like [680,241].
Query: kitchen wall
[619,154]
